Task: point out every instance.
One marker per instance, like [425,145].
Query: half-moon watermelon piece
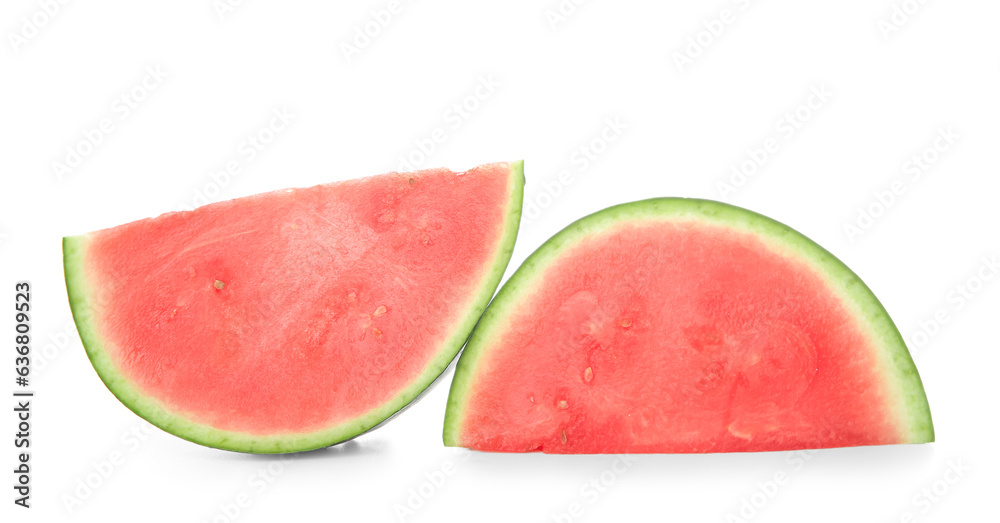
[684,326]
[295,319]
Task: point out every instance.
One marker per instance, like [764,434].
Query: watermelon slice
[295,319]
[684,326]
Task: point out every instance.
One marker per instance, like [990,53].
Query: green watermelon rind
[898,368]
[80,295]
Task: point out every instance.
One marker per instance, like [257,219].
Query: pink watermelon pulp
[684,326]
[295,319]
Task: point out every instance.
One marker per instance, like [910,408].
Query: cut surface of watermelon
[295,319]
[684,326]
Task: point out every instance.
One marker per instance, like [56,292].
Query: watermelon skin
[553,367]
[445,238]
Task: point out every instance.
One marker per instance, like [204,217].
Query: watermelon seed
[625,323]
[563,405]
[562,437]
[220,284]
[588,375]
[412,181]
[380,310]
[377,333]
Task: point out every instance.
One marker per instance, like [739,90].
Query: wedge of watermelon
[295,319]
[684,326]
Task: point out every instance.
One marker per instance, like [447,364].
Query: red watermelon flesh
[684,326]
[294,319]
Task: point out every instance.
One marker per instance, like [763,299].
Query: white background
[685,128]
